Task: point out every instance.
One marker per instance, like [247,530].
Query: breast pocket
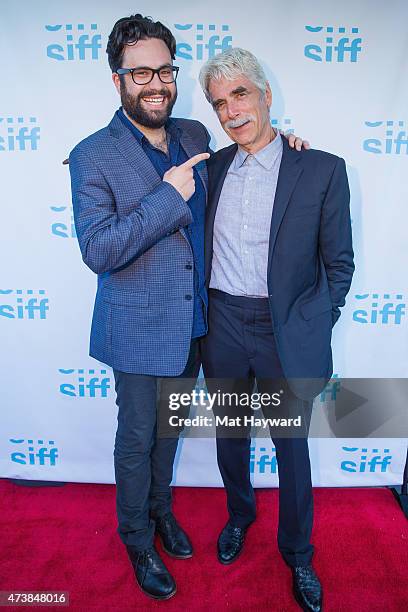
[302,211]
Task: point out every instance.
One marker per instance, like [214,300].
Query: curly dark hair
[129,30]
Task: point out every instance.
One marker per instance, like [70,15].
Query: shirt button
[189,267]
[245,227]
[246,201]
[250,178]
[188,297]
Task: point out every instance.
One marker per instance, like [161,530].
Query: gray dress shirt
[242,222]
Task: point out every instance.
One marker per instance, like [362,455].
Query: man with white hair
[279,263]
[139,189]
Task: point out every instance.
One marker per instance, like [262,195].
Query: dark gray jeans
[144,462]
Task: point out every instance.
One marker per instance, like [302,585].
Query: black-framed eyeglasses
[143,75]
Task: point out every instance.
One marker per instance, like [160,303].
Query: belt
[261,303]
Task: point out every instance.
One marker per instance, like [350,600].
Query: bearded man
[139,189]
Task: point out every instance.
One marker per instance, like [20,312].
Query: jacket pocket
[126,298]
[316,306]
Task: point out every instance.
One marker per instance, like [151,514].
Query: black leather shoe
[151,574]
[175,541]
[230,543]
[307,588]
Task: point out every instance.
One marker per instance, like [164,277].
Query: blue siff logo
[331,390]
[335,47]
[394,141]
[366,460]
[263,460]
[61,229]
[75,44]
[204,42]
[46,453]
[85,383]
[25,304]
[389,311]
[17,136]
[284,124]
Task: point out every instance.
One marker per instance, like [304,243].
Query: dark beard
[150,119]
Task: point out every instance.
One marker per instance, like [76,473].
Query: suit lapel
[132,150]
[289,173]
[218,167]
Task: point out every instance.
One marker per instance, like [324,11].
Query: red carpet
[64,539]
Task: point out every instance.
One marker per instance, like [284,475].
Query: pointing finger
[196,159]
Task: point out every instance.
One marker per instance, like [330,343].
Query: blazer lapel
[218,166]
[132,150]
[289,173]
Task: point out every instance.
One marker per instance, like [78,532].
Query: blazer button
[189,267]
[189,297]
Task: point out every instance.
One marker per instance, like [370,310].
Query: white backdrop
[338,73]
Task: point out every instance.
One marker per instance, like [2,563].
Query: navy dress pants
[239,350]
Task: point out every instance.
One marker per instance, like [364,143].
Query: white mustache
[234,123]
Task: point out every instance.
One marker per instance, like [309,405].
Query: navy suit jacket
[130,227]
[310,263]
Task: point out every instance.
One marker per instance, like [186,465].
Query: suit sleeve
[106,241]
[335,238]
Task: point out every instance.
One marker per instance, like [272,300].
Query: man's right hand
[182,177]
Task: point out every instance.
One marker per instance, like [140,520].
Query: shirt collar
[266,157]
[171,127]
[137,133]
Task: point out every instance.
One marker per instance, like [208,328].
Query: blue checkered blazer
[130,227]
